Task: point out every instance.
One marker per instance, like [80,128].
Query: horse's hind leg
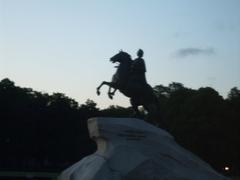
[135,108]
[152,113]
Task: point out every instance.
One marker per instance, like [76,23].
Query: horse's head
[120,57]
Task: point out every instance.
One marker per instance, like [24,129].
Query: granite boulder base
[132,149]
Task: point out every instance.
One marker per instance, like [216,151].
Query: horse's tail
[156,115]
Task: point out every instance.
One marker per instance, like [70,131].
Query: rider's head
[140,53]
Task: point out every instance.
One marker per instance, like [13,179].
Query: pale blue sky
[65,45]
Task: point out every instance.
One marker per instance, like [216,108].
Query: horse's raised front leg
[111,94]
[110,84]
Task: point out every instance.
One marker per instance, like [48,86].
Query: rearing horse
[139,93]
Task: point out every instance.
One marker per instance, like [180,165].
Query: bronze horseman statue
[130,80]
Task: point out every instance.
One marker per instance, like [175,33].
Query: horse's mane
[126,54]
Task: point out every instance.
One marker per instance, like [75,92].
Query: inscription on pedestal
[132,135]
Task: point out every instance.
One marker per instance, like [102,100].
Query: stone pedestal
[131,149]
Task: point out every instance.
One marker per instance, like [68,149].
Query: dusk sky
[65,45]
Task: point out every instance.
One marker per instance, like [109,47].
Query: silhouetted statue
[130,80]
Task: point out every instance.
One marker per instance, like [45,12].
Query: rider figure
[138,69]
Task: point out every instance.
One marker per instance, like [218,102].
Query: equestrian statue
[130,80]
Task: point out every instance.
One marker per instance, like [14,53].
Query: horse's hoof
[98,93]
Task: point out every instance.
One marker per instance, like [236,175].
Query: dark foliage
[39,131]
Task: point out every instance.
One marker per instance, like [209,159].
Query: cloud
[185,52]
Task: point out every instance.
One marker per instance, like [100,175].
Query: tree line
[39,131]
